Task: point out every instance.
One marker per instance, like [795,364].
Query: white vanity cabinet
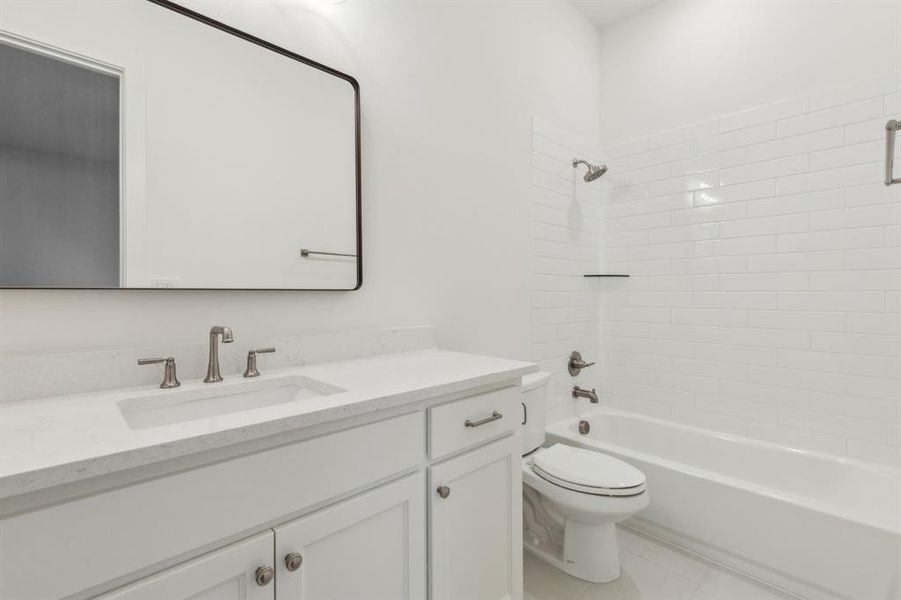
[350,513]
[476,517]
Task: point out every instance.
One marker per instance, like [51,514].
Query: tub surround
[60,440]
[763,250]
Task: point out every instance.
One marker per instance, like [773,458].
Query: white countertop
[54,441]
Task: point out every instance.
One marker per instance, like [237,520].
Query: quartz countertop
[65,439]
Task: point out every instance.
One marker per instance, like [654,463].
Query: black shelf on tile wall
[606,275]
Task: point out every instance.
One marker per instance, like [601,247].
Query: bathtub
[816,525]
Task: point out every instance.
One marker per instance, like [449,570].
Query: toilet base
[591,552]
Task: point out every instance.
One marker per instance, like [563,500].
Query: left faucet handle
[251,370]
[170,379]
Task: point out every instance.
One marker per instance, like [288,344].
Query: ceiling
[604,12]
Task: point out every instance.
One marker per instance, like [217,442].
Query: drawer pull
[443,491]
[494,417]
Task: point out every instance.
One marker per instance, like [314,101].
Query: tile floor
[651,571]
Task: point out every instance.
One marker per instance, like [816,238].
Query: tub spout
[591,394]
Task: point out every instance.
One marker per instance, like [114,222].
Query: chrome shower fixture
[594,171]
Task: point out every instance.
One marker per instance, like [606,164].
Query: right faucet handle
[251,370]
[576,364]
[170,380]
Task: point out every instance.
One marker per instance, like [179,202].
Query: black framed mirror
[144,145]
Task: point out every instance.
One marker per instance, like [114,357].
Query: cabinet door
[476,518]
[370,547]
[226,574]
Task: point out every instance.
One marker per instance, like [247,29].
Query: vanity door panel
[370,547]
[226,574]
[475,503]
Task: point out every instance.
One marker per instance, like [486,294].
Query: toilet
[573,497]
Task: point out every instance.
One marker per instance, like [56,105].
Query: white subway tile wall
[566,223]
[765,254]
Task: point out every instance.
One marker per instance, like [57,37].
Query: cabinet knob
[293,561]
[443,491]
[263,575]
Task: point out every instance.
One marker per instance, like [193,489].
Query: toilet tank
[534,402]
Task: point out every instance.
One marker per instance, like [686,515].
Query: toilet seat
[587,471]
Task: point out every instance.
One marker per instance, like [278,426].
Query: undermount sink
[168,407]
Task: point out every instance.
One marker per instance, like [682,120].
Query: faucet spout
[591,394]
[213,373]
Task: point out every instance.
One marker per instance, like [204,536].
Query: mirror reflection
[144,148]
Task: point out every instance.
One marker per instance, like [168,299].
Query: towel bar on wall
[891,128]
[306,253]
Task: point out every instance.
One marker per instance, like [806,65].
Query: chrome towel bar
[891,128]
[306,252]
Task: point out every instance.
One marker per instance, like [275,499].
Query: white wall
[684,61]
[448,92]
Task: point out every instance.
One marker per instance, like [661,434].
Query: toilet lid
[588,471]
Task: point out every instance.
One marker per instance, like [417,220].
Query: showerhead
[594,171]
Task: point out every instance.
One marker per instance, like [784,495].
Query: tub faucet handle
[576,364]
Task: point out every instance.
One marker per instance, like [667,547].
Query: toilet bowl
[573,497]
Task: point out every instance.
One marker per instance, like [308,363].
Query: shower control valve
[576,364]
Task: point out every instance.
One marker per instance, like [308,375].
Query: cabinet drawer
[464,423]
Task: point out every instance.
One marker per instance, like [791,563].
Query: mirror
[143,145]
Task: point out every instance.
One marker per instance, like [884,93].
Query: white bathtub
[817,525]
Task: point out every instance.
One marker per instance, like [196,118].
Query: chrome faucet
[591,394]
[212,371]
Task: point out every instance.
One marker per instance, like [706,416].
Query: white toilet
[573,497]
